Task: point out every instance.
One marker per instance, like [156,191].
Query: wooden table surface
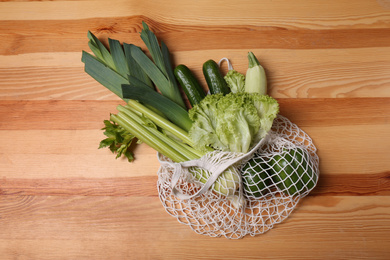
[328,64]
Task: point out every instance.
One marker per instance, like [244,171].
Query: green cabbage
[234,122]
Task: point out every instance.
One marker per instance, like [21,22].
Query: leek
[115,67]
[157,76]
[161,71]
[174,112]
[118,57]
[100,50]
[136,71]
[104,74]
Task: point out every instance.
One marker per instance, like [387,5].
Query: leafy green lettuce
[235,81]
[234,122]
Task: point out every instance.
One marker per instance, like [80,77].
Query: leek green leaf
[151,43]
[168,65]
[118,57]
[175,113]
[134,69]
[103,74]
[161,59]
[101,51]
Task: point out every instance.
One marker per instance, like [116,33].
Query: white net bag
[233,195]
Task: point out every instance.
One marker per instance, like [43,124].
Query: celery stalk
[161,122]
[143,134]
[164,124]
[177,146]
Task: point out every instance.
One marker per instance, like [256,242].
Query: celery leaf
[118,140]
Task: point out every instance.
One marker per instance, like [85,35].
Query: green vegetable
[255,81]
[118,140]
[189,83]
[291,171]
[161,71]
[214,78]
[114,67]
[226,184]
[161,122]
[134,69]
[162,82]
[148,126]
[234,122]
[235,80]
[158,120]
[175,113]
[147,135]
[102,73]
[255,178]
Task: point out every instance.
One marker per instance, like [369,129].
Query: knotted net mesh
[234,195]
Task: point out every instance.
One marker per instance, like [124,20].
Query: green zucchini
[214,78]
[190,85]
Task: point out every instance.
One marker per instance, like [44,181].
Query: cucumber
[214,78]
[190,85]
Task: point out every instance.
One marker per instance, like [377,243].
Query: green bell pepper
[255,177]
[291,171]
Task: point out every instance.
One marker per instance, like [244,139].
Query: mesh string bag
[234,195]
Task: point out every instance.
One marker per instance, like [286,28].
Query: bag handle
[209,162]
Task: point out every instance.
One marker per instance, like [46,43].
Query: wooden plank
[340,152]
[120,227]
[311,15]
[31,154]
[40,36]
[55,114]
[89,115]
[144,186]
[291,73]
[98,164]
[369,184]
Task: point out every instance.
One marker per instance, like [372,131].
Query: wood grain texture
[61,197]
[116,230]
[319,73]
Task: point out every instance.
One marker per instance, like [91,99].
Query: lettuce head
[234,122]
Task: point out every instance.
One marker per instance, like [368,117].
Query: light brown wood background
[328,64]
